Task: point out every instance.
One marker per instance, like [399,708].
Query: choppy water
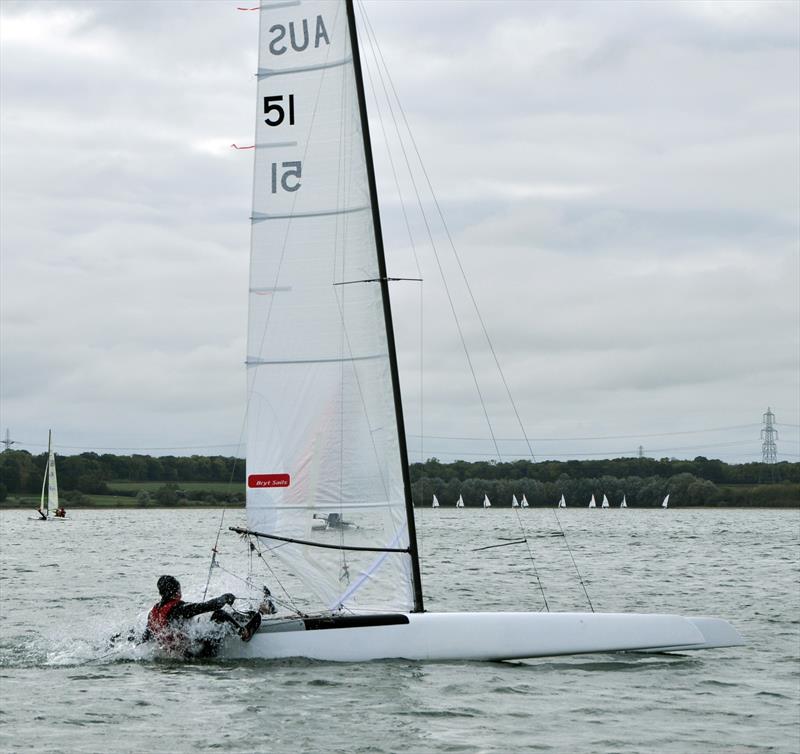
[66,586]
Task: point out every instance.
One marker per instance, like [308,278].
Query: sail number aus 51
[276,111]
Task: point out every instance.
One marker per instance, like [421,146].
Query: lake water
[65,587]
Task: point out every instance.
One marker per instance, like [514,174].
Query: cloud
[621,181]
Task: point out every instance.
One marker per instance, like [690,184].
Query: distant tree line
[644,481]
[710,469]
[22,472]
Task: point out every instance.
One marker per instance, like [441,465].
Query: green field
[224,487]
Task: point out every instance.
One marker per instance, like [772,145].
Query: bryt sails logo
[261,481]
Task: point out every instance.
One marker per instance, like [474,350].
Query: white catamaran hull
[479,636]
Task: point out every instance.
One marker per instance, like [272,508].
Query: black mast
[387,313]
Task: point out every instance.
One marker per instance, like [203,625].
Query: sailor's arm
[190,609]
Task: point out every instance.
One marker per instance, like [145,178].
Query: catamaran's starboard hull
[479,636]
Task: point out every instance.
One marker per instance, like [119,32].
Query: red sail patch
[258,481]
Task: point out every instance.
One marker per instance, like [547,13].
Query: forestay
[323,455]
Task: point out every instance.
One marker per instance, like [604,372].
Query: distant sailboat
[562,503]
[460,502]
[605,502]
[435,502]
[524,503]
[48,504]
[623,504]
[514,502]
[486,503]
[666,502]
[592,503]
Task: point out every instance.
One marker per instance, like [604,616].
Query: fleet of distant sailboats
[562,502]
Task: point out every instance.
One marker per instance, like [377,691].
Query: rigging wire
[466,282]
[379,111]
[371,35]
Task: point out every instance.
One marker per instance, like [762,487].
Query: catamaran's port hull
[479,636]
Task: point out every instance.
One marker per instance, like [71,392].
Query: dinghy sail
[325,422]
[435,503]
[665,502]
[605,503]
[514,502]
[460,502]
[592,503]
[624,503]
[524,503]
[562,503]
[486,502]
[49,499]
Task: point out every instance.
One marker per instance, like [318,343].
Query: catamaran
[326,432]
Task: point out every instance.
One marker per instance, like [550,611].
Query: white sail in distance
[514,502]
[49,499]
[562,503]
[486,503]
[524,503]
[323,440]
[460,502]
[624,503]
[605,503]
[435,503]
[665,502]
[592,503]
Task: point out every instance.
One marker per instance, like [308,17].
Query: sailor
[61,512]
[167,622]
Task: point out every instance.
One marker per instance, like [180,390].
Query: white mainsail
[524,503]
[486,503]
[323,434]
[435,503]
[460,502]
[605,503]
[623,504]
[562,503]
[592,503]
[514,502]
[665,502]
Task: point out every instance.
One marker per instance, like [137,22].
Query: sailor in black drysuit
[167,622]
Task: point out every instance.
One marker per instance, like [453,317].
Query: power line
[598,437]
[129,447]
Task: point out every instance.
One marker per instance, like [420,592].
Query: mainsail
[326,456]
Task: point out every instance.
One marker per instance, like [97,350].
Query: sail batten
[258,217]
[264,73]
[326,449]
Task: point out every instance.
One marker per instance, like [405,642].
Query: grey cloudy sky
[621,181]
